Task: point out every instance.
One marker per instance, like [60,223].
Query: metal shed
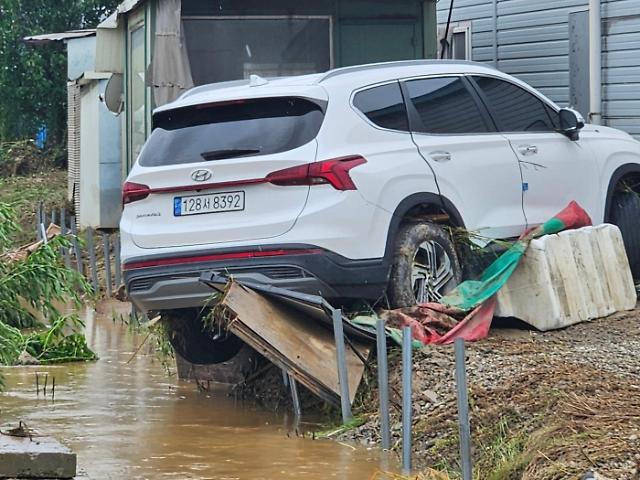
[159,48]
[546,43]
[93,134]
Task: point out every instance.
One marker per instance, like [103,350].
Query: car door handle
[440,156]
[528,150]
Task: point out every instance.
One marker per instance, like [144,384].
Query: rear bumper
[156,283]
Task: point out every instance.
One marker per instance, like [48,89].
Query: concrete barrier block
[570,277]
[40,458]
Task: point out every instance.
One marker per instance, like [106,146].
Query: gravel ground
[552,405]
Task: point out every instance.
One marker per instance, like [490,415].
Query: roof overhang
[58,37]
[125,7]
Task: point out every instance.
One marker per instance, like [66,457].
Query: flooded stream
[132,421]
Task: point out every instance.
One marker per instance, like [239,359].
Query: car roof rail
[336,72]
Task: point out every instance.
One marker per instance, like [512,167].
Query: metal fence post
[107,262]
[406,399]
[63,232]
[76,244]
[43,230]
[383,384]
[116,254]
[297,410]
[92,259]
[463,410]
[343,377]
[133,317]
[38,221]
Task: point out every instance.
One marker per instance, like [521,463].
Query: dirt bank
[24,193]
[544,405]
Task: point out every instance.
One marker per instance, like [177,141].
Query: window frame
[462,27]
[328,18]
[548,106]
[414,116]
[140,18]
[364,117]
[456,27]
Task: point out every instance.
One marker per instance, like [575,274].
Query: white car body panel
[156,226]
[483,180]
[555,171]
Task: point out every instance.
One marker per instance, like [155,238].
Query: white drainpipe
[595,62]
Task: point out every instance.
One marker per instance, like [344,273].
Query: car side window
[515,109]
[444,105]
[384,106]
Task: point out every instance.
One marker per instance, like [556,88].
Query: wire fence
[94,254]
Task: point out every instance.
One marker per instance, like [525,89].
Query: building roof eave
[58,37]
[125,7]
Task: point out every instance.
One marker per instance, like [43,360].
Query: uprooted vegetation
[31,288]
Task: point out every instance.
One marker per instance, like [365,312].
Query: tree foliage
[30,288]
[35,283]
[34,78]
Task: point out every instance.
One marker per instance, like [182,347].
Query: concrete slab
[570,277]
[39,458]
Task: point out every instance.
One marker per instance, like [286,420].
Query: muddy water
[131,421]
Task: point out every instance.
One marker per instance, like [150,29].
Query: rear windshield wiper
[228,153]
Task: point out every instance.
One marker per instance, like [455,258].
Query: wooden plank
[292,341]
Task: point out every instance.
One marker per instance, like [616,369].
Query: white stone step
[39,457]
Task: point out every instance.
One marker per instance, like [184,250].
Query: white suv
[342,183]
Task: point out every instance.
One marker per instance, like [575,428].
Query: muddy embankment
[544,406]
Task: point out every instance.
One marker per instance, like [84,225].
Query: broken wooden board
[293,342]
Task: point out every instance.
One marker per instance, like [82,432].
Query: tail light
[334,172]
[132,192]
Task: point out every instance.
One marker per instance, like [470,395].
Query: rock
[26,358]
[431,396]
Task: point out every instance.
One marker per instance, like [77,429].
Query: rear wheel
[625,213]
[197,343]
[425,265]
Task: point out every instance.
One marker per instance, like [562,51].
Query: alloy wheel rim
[431,272]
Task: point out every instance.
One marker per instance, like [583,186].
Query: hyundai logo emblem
[201,175]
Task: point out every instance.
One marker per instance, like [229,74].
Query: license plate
[208,203]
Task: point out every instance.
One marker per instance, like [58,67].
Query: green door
[378,41]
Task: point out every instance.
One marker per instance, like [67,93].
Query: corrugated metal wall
[621,63]
[531,41]
[73,142]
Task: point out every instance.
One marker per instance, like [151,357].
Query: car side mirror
[571,122]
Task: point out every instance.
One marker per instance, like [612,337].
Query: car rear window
[232,129]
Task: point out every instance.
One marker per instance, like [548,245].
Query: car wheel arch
[622,172]
[414,203]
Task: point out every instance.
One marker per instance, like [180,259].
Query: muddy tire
[195,342]
[625,213]
[425,265]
